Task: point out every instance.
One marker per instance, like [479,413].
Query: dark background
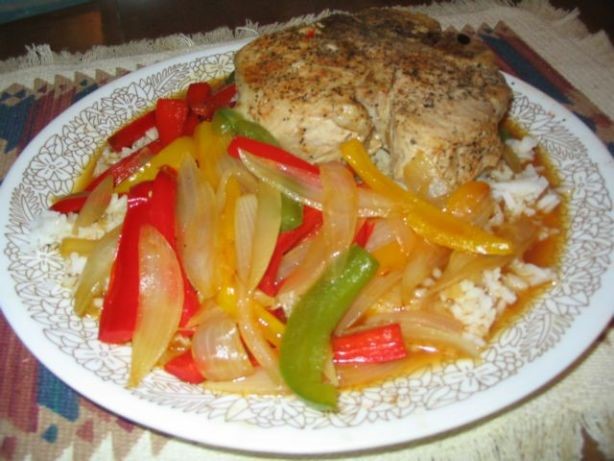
[112,22]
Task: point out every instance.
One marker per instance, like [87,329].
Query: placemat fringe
[567,22]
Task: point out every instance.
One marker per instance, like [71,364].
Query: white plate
[526,356]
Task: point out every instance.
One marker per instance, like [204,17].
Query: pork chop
[393,79]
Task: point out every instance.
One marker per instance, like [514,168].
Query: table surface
[113,22]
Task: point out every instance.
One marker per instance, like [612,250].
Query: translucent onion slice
[266,229]
[217,348]
[293,258]
[424,258]
[370,373]
[259,383]
[95,204]
[160,302]
[232,167]
[245,224]
[196,227]
[306,188]
[339,207]
[253,337]
[96,271]
[428,326]
[340,212]
[403,234]
[381,235]
[379,286]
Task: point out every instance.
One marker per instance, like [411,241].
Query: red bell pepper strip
[269,152]
[312,220]
[71,203]
[127,166]
[162,217]
[222,97]
[376,345]
[120,306]
[184,368]
[171,115]
[190,124]
[132,132]
[364,232]
[198,93]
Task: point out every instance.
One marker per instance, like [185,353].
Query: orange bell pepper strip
[424,218]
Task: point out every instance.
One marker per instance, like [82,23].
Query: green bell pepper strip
[306,344]
[226,120]
[291,214]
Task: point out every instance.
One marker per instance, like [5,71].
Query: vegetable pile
[243,267]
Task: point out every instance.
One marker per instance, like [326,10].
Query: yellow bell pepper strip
[424,218]
[171,155]
[210,146]
[306,344]
[227,293]
[226,120]
[272,328]
[390,256]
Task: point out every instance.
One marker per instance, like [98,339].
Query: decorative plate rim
[244,430]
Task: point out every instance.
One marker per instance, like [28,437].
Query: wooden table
[113,22]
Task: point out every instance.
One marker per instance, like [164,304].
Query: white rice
[51,227]
[477,304]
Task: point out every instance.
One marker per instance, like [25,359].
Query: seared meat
[393,79]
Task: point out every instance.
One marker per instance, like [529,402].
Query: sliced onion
[196,227]
[245,223]
[381,235]
[403,234]
[233,168]
[340,207]
[253,337]
[217,348]
[374,290]
[268,220]
[428,326]
[305,274]
[424,258]
[370,373]
[259,382]
[293,258]
[425,318]
[160,302]
[96,203]
[96,271]
[306,188]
